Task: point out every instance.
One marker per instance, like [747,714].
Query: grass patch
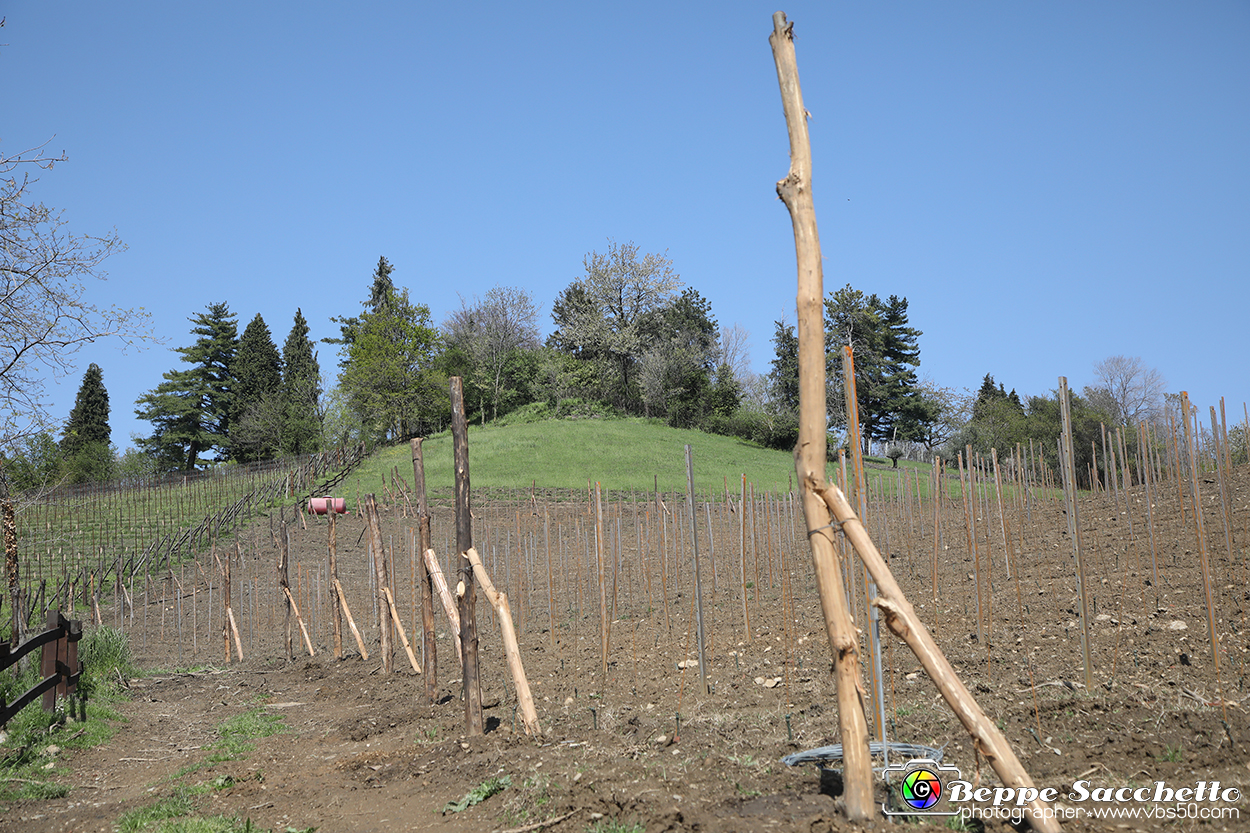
[616,826]
[169,807]
[236,735]
[33,739]
[478,794]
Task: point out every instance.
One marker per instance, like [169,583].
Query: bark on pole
[795,192]
[901,618]
[464,542]
[379,566]
[429,645]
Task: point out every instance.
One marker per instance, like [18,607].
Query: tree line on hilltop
[629,338]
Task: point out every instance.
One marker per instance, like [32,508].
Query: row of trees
[628,337]
[626,340]
[239,399]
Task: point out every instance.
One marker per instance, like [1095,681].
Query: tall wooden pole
[1068,466]
[464,542]
[429,653]
[698,576]
[796,192]
[383,582]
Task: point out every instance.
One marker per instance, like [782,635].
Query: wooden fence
[60,669]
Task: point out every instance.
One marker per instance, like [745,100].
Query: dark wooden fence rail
[60,667]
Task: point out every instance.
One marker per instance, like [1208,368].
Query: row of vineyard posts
[72,543]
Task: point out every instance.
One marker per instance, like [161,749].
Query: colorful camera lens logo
[921,789]
[918,786]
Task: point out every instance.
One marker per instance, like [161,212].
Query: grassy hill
[621,454]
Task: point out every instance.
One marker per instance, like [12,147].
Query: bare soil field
[363,751]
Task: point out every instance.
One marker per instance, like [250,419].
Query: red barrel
[322,505]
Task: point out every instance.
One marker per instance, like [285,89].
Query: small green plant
[478,794]
[1171,754]
[615,826]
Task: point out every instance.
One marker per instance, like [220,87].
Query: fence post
[51,653]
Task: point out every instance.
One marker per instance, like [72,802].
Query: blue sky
[1048,184]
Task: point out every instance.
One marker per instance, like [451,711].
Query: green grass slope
[621,454]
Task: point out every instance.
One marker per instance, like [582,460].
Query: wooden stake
[444,595]
[334,593]
[464,542]
[429,642]
[512,650]
[379,566]
[351,623]
[399,627]
[303,630]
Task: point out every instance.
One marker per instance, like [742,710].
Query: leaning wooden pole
[795,191]
[464,542]
[512,649]
[901,618]
[383,581]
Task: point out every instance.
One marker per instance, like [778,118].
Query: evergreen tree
[191,410]
[89,420]
[256,422]
[381,291]
[682,347]
[389,370]
[783,379]
[301,389]
[85,443]
[885,350]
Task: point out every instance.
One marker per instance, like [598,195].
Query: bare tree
[490,331]
[1135,389]
[735,348]
[45,316]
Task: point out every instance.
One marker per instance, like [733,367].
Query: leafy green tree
[886,353]
[301,391]
[998,420]
[256,424]
[190,411]
[85,442]
[389,371]
[601,317]
[1044,426]
[682,348]
[381,290]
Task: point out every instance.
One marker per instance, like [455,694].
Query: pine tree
[301,390]
[85,443]
[89,420]
[886,351]
[256,419]
[191,410]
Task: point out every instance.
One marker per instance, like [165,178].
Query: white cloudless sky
[1047,184]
